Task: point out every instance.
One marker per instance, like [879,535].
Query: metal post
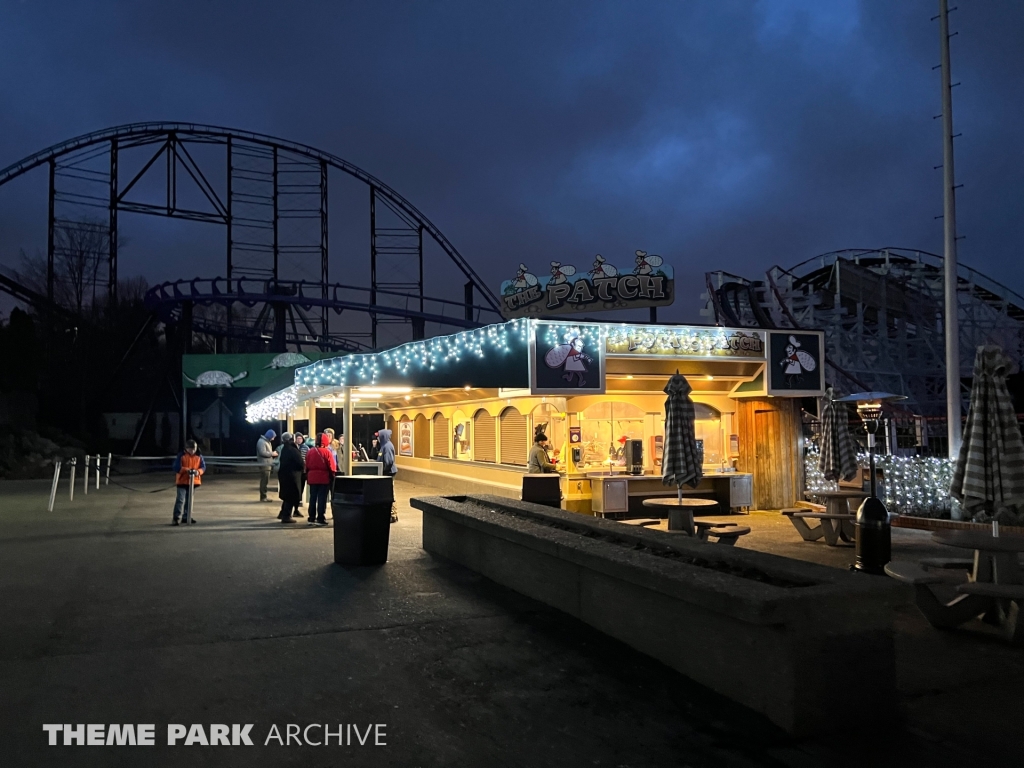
[97,471]
[952,324]
[347,463]
[109,457]
[373,265]
[71,485]
[50,245]
[53,488]
[229,219]
[324,265]
[191,495]
[85,476]
[276,215]
[112,228]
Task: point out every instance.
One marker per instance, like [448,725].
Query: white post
[53,488]
[85,476]
[347,462]
[71,485]
[952,324]
[109,457]
[97,471]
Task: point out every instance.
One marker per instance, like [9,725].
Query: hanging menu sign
[648,283]
[684,341]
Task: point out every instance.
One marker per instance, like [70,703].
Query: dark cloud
[732,135]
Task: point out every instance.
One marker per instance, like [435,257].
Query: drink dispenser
[634,457]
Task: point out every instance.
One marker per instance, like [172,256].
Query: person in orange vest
[188,459]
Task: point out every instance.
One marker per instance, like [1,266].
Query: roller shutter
[484,447]
[421,437]
[442,441]
[514,448]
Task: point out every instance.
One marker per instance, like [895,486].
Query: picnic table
[838,502]
[680,511]
[995,557]
[834,526]
[994,587]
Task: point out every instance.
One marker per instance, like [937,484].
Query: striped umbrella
[838,457]
[681,462]
[989,472]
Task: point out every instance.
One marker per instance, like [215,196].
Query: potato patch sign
[568,290]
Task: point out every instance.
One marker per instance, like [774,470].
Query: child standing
[187,460]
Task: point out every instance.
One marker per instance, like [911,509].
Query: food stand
[463,409]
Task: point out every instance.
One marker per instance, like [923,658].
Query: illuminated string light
[271,406]
[406,359]
[911,485]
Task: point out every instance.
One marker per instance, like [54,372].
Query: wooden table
[995,558]
[680,511]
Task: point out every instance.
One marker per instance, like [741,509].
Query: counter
[621,493]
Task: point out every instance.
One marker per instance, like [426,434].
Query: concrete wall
[807,657]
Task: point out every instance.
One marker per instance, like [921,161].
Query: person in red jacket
[321,468]
[187,460]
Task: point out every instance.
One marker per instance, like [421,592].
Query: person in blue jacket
[387,458]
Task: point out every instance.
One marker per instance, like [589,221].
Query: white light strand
[271,406]
[428,354]
[911,485]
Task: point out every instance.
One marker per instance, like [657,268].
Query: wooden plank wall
[771,447]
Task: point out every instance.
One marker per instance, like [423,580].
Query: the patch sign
[647,283]
[796,361]
[566,359]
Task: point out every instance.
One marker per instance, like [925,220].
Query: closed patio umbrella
[838,457]
[989,472]
[681,462]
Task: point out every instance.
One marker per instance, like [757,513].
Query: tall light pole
[952,322]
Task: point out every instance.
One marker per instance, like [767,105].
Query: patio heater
[874,533]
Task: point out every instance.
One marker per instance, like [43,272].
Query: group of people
[305,461]
[301,461]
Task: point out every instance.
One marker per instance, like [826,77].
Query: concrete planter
[810,647]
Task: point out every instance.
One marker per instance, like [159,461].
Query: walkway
[110,615]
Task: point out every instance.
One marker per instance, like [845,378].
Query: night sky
[721,135]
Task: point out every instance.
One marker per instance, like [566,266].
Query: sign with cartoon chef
[795,363]
[566,358]
[647,283]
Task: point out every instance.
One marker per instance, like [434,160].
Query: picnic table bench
[993,589]
[727,533]
[834,527]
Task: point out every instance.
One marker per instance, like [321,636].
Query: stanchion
[53,488]
[107,480]
[97,471]
[85,476]
[71,485]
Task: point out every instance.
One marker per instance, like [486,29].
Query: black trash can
[362,519]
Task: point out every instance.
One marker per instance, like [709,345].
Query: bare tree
[79,249]
[132,290]
[80,252]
